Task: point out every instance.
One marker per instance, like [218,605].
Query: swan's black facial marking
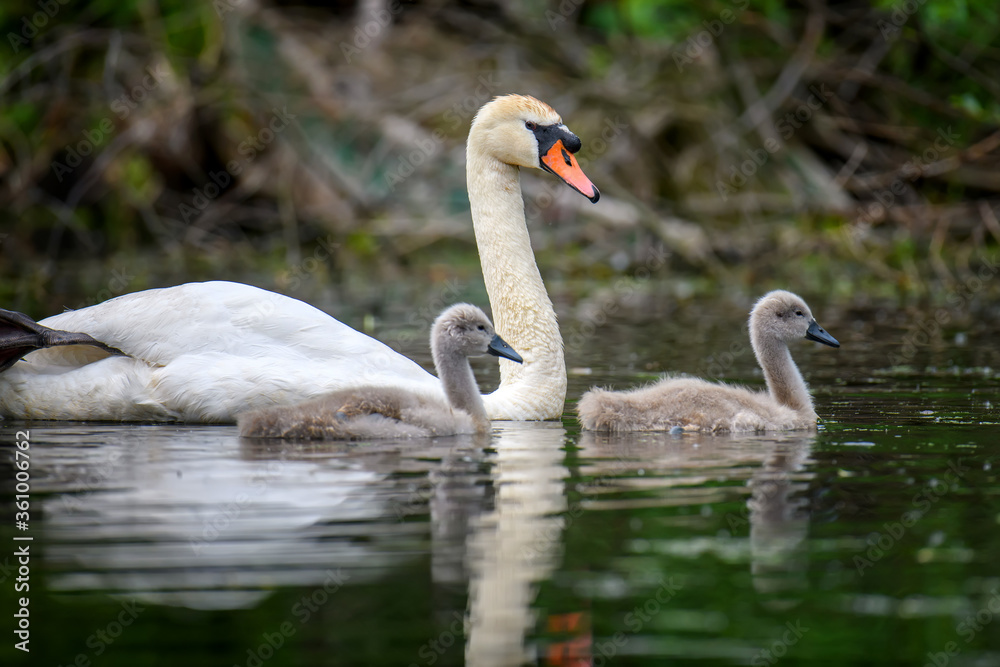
[548,135]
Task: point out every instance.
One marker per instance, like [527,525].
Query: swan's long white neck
[522,312]
[784,381]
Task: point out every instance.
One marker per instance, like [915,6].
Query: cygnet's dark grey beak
[815,332]
[499,348]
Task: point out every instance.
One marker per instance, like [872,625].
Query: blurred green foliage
[119,118]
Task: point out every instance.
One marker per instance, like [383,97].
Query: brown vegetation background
[844,148]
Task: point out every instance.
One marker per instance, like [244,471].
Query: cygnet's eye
[799,313]
[481,327]
[531,125]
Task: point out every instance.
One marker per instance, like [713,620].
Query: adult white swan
[204,352]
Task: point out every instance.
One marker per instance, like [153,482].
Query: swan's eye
[531,125]
[481,327]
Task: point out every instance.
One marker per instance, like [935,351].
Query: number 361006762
[21,461]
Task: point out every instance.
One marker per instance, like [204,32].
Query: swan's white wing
[202,352]
[161,325]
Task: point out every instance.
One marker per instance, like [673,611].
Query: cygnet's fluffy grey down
[460,332]
[696,405]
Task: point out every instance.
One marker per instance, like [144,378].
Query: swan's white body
[205,352]
[219,348]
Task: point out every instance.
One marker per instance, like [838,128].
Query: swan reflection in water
[197,517]
[686,469]
[517,544]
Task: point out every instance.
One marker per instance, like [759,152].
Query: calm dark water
[875,540]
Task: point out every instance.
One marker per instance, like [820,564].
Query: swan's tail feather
[20,335]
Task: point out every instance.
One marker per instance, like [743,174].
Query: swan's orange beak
[561,162]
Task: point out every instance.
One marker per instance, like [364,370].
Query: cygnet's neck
[522,311]
[460,386]
[784,381]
